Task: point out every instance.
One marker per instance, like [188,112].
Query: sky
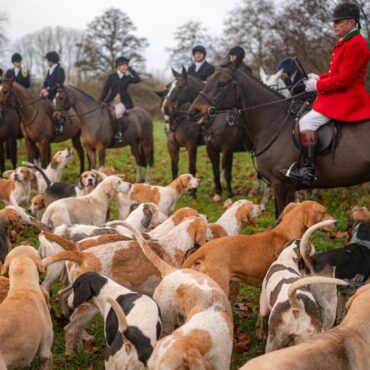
[155,19]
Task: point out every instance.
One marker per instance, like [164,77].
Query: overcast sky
[155,19]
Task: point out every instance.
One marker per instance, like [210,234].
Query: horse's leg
[214,157]
[91,154]
[192,152]
[76,141]
[101,153]
[147,147]
[45,152]
[31,150]
[227,166]
[284,194]
[2,159]
[13,152]
[256,186]
[173,150]
[135,152]
[266,197]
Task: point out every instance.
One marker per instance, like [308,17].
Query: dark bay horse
[269,124]
[10,131]
[222,133]
[98,128]
[37,125]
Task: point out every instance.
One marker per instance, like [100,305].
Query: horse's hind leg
[147,148]
[173,151]
[214,157]
[256,186]
[266,197]
[227,165]
[192,151]
[31,150]
[101,153]
[91,154]
[45,153]
[12,143]
[135,152]
[76,141]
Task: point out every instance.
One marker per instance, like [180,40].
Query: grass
[338,202]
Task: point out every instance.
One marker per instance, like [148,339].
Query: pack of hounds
[165,280]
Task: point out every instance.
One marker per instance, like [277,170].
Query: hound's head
[61,158]
[22,174]
[113,185]
[152,216]
[37,204]
[185,182]
[88,181]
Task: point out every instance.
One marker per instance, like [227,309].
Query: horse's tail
[39,169]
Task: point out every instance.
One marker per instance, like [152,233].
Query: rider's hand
[313,76]
[44,93]
[310,85]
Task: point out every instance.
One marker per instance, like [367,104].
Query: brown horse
[222,133]
[37,125]
[98,128]
[10,131]
[269,122]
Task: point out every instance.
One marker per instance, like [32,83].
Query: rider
[115,92]
[200,68]
[53,80]
[19,73]
[341,92]
[237,54]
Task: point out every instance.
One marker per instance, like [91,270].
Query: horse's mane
[250,75]
[84,93]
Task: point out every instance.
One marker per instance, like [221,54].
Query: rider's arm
[135,78]
[106,89]
[59,80]
[353,60]
[26,81]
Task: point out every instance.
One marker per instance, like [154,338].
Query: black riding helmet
[346,11]
[237,51]
[200,49]
[16,57]
[52,56]
[122,60]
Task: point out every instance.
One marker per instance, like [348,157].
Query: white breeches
[312,121]
[119,109]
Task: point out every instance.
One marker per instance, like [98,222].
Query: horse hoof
[217,198]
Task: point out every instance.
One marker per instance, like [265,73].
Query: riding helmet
[346,11]
[122,60]
[52,56]
[237,51]
[288,65]
[199,49]
[16,57]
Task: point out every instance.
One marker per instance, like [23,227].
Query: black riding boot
[121,127]
[306,174]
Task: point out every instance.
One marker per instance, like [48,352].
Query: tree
[249,25]
[34,46]
[108,37]
[3,38]
[186,37]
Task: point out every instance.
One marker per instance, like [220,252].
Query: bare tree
[108,37]
[186,37]
[4,20]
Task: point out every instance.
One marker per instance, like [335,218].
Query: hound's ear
[263,75]
[29,175]
[286,210]
[82,292]
[175,74]
[184,73]
[5,269]
[79,183]
[148,214]
[195,360]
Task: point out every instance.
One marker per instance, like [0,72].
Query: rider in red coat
[341,92]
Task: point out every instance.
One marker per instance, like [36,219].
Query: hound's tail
[121,317]
[73,256]
[306,281]
[39,169]
[305,240]
[163,267]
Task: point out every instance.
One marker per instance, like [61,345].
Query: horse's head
[220,92]
[6,91]
[62,103]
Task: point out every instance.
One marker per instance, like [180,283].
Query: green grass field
[338,202]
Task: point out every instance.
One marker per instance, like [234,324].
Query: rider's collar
[349,35]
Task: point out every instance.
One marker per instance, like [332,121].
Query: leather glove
[313,76]
[310,85]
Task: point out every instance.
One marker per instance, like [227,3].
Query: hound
[165,197]
[132,321]
[248,257]
[90,209]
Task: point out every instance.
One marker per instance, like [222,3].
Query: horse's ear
[184,73]
[263,75]
[175,73]
[278,74]
[159,93]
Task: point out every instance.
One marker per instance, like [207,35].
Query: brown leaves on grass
[241,340]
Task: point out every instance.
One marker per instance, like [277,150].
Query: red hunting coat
[341,92]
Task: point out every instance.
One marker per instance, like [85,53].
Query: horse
[98,128]
[10,131]
[275,82]
[180,131]
[224,125]
[269,123]
[37,125]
